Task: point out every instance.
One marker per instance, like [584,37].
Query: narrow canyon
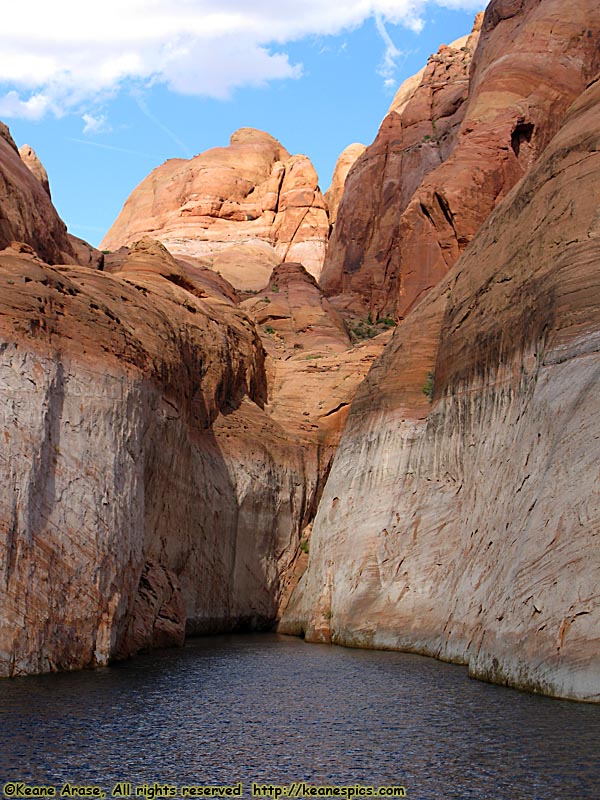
[368,416]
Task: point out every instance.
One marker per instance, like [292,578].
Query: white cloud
[69,55]
[95,124]
[35,107]
[388,66]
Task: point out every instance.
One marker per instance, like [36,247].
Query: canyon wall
[158,474]
[458,136]
[146,491]
[171,418]
[461,518]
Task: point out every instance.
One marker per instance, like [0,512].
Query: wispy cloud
[68,56]
[102,146]
[387,69]
[143,106]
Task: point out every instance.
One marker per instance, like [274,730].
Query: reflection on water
[275,709]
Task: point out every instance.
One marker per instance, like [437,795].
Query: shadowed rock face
[313,373]
[27,211]
[108,385]
[158,474]
[146,489]
[467,527]
[250,193]
[453,146]
[345,162]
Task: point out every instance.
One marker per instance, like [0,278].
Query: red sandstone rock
[161,469]
[250,193]
[313,369]
[154,482]
[414,139]
[35,166]
[158,616]
[294,309]
[248,267]
[85,254]
[27,211]
[108,383]
[150,257]
[344,164]
[437,169]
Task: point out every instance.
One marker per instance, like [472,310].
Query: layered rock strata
[154,483]
[250,193]
[146,491]
[461,518]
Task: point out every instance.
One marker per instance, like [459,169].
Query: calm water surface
[275,709]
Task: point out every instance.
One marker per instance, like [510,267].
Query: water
[275,709]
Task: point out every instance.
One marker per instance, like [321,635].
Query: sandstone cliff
[35,166]
[105,396]
[467,528]
[457,138]
[170,419]
[27,211]
[347,159]
[250,193]
[158,475]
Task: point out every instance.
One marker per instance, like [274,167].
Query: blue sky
[105,99]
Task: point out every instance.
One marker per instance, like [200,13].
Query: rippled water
[275,709]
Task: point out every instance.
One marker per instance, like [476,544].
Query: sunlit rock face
[458,136]
[27,212]
[461,518]
[252,193]
[34,165]
[346,160]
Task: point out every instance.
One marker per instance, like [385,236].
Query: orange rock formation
[453,145]
[250,193]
